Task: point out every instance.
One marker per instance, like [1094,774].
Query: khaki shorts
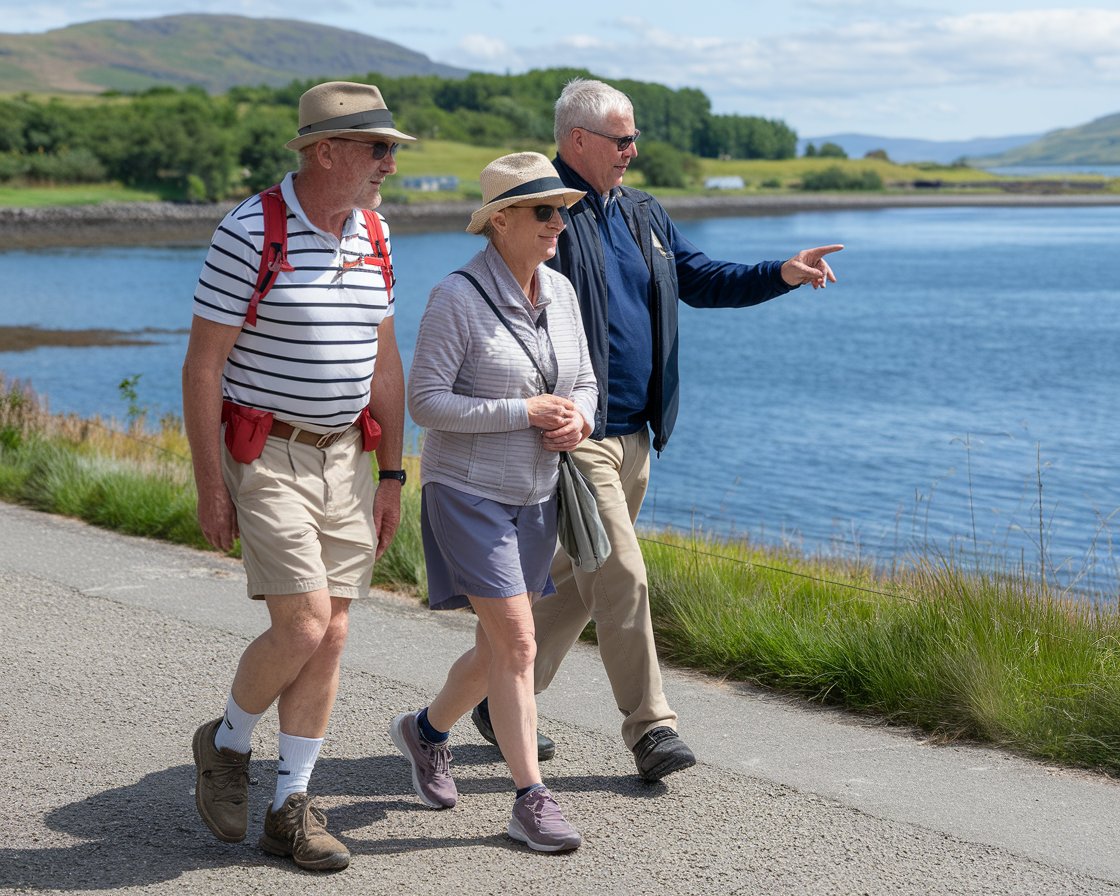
[305,516]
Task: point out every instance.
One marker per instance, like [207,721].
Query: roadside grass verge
[986,656]
[978,656]
[133,479]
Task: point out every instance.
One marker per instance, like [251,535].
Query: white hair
[585,103]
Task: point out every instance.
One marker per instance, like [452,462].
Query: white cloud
[1042,47]
[911,69]
[483,51]
[584,43]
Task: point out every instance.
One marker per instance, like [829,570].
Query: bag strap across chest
[489,301]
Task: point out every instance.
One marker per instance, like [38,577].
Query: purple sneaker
[431,765]
[538,823]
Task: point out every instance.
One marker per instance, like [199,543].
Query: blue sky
[943,71]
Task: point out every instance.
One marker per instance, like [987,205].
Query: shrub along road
[116,648]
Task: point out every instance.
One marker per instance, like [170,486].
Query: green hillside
[211,51]
[1095,143]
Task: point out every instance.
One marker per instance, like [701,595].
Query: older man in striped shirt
[278,410]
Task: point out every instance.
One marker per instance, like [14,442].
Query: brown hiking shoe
[221,789]
[299,830]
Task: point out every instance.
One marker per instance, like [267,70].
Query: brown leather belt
[283,430]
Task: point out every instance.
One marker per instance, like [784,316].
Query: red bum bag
[248,428]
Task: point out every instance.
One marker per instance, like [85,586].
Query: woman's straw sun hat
[518,179]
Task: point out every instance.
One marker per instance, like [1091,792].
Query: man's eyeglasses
[380,149]
[623,143]
[543,213]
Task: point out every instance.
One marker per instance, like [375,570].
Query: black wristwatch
[399,475]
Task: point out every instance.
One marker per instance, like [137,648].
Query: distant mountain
[1095,143]
[903,149]
[212,51]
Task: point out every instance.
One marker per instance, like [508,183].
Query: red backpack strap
[274,249]
[380,256]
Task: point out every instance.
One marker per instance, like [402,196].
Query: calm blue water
[964,355]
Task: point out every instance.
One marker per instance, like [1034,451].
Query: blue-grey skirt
[484,548]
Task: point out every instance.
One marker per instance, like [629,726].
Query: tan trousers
[616,596]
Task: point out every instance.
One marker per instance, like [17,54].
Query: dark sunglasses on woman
[543,213]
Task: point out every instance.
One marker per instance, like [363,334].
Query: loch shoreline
[168,223]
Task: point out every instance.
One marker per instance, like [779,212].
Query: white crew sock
[236,731]
[297,759]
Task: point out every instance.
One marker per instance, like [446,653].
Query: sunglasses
[379,149]
[543,213]
[623,143]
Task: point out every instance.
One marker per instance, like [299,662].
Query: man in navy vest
[630,266]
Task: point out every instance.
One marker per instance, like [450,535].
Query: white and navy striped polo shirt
[310,357]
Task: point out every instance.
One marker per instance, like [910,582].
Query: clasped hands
[561,424]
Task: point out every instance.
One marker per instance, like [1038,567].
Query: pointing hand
[809,266]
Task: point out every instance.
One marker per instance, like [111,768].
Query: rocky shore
[164,223]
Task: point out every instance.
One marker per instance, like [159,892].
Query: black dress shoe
[660,752]
[480,715]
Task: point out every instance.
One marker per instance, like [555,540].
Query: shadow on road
[148,832]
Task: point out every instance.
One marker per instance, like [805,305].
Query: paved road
[116,648]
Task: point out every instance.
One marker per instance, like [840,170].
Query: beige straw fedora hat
[515,180]
[344,109]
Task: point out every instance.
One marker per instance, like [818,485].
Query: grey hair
[585,103]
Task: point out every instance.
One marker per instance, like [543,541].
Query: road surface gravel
[117,648]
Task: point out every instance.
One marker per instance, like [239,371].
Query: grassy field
[985,657]
[788,172]
[73,194]
[443,157]
[435,157]
[429,157]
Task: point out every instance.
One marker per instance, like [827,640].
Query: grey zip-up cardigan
[470,379]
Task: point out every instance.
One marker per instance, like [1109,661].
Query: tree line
[191,145]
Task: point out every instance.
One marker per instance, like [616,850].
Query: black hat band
[540,185]
[374,118]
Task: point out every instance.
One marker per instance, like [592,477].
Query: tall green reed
[995,658]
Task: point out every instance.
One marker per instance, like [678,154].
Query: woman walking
[502,381]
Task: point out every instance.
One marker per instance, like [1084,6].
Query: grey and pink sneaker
[431,765]
[538,823]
